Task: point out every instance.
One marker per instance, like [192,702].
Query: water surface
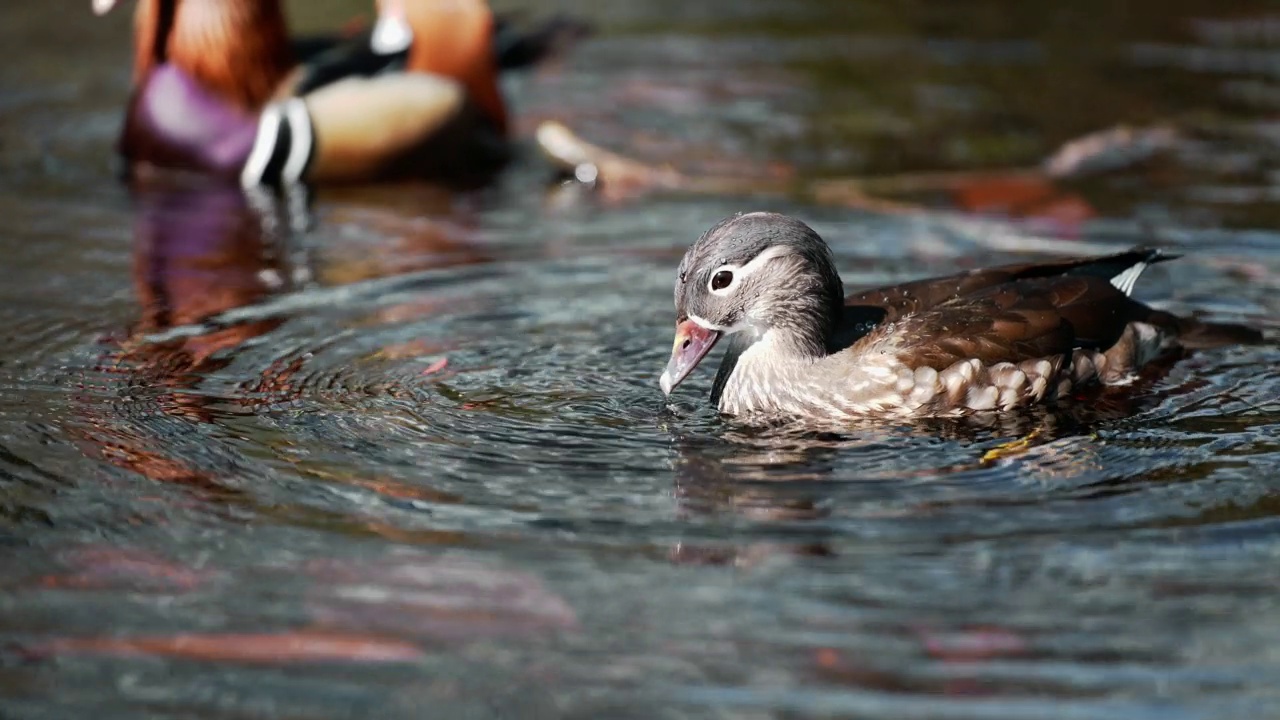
[414,462]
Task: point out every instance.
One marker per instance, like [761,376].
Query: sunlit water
[414,463]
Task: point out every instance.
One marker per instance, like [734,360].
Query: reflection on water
[200,249]
[415,457]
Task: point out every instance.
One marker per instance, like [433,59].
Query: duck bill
[692,343]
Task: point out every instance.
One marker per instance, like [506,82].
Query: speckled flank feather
[835,387]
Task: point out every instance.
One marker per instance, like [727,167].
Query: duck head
[756,275]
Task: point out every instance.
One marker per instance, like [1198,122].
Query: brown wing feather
[919,295]
[899,300]
[1013,313]
[1015,321]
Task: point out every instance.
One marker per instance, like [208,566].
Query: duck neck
[237,48]
[759,370]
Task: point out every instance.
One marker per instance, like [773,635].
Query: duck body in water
[987,340]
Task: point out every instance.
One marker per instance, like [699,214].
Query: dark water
[414,463]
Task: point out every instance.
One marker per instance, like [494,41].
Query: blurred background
[823,89]
[413,460]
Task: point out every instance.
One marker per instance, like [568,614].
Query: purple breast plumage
[188,125]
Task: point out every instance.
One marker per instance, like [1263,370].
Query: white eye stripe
[739,272]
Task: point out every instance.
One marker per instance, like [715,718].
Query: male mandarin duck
[218,89]
[990,339]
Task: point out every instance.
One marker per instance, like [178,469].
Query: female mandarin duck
[218,89]
[995,338]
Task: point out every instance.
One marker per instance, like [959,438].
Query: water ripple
[417,456]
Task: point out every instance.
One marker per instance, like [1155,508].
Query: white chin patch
[102,7]
[390,36]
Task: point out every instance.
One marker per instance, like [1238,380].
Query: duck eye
[721,280]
